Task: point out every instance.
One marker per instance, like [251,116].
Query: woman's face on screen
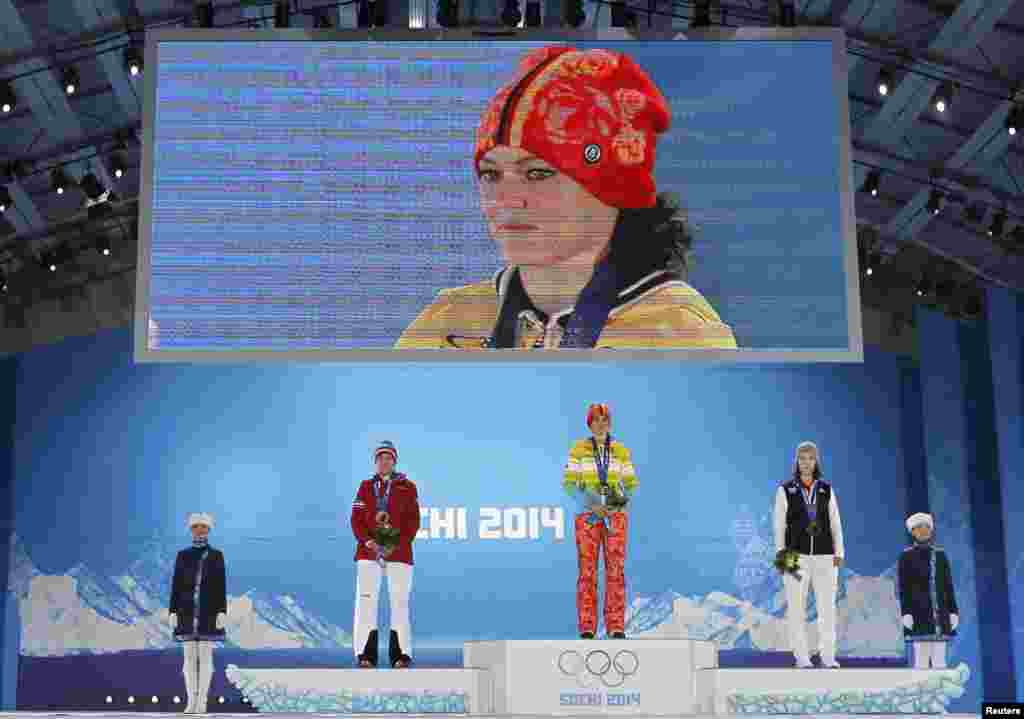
[536,214]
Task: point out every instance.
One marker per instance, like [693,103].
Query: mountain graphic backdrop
[83,612]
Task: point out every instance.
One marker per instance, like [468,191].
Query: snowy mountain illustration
[867,614]
[83,612]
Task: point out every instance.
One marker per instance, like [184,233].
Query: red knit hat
[598,410]
[592,114]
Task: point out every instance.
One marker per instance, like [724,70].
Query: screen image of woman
[595,257]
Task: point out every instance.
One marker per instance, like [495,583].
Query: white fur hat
[200,518]
[806,445]
[916,520]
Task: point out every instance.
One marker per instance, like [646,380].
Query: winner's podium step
[829,691]
[364,691]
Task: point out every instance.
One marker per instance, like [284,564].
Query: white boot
[205,675]
[191,678]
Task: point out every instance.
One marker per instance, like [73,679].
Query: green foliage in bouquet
[386,537]
[788,562]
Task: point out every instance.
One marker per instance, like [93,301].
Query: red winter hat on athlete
[592,114]
[598,410]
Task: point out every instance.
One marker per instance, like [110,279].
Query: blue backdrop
[109,456]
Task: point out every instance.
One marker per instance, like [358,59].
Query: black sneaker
[403,662]
[587,635]
[618,635]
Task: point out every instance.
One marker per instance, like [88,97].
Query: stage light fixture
[133,61]
[943,98]
[8,100]
[5,199]
[59,181]
[131,700]
[998,225]
[103,245]
[1013,120]
[923,287]
[70,80]
[884,83]
[873,182]
[177,700]
[935,202]
[118,166]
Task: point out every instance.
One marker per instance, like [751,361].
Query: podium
[364,691]
[575,677]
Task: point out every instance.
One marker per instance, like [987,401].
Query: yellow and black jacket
[581,481]
[659,311]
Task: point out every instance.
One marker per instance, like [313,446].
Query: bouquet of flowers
[614,499]
[788,562]
[384,535]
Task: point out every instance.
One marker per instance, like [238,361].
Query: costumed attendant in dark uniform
[601,477]
[198,609]
[927,599]
[388,499]
[807,522]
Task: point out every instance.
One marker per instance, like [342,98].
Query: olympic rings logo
[598,666]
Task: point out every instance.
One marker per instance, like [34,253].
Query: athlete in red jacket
[388,498]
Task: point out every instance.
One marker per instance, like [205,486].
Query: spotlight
[220,700]
[59,181]
[533,13]
[110,699]
[935,202]
[103,245]
[943,98]
[133,61]
[154,700]
[872,262]
[997,226]
[701,14]
[873,182]
[282,14]
[884,82]
[177,700]
[924,286]
[131,700]
[70,81]
[7,99]
[118,166]
[92,187]
[1013,119]
[5,199]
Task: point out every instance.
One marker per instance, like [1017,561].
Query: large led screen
[481,197]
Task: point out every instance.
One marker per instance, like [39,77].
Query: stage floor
[136,715]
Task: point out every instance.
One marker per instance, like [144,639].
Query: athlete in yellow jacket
[601,477]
